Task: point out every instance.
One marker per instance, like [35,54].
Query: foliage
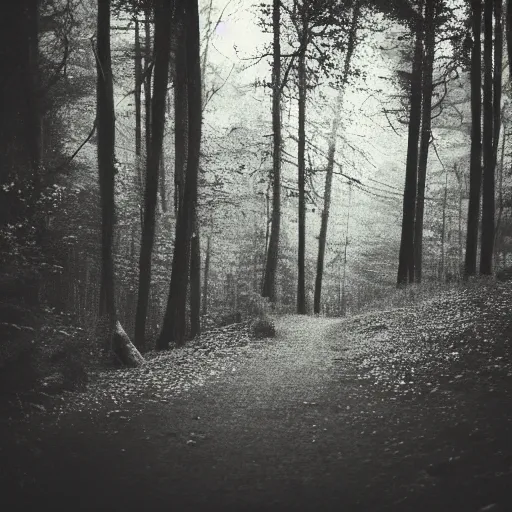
[263,327]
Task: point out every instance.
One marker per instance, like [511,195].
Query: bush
[253,305]
[263,327]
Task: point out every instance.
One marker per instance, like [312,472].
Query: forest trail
[290,424]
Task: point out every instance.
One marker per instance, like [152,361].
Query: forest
[168,167]
[257,248]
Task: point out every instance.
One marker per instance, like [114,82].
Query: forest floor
[401,410]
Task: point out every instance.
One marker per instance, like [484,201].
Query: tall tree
[148,72]
[322,239]
[138,114]
[301,158]
[426,133]
[269,280]
[109,327]
[163,18]
[488,201]
[106,162]
[475,168]
[180,106]
[174,326]
[406,256]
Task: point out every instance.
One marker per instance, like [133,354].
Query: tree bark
[195,281]
[163,17]
[106,160]
[138,117]
[475,169]
[343,300]
[509,37]
[148,57]
[443,227]
[269,281]
[406,256]
[488,201]
[322,239]
[426,134]
[206,276]
[180,109]
[173,328]
[109,327]
[161,181]
[497,236]
[301,159]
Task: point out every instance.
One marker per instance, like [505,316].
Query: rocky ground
[407,409]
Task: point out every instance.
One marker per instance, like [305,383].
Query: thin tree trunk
[344,281]
[322,239]
[138,116]
[269,282]
[204,61]
[406,256]
[426,133]
[475,170]
[498,75]
[163,16]
[180,109]
[148,57]
[509,37]
[459,176]
[195,280]
[301,159]
[497,235]
[161,181]
[488,206]
[443,227]
[173,328]
[206,276]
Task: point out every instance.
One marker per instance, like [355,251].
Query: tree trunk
[109,327]
[344,279]
[488,206]
[161,181]
[269,281]
[509,37]
[301,159]
[406,256]
[195,281]
[206,276]
[148,57]
[498,75]
[322,239]
[138,117]
[426,133]
[106,161]
[443,227]
[163,16]
[173,328]
[180,109]
[497,235]
[475,169]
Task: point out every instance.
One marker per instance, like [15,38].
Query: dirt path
[287,425]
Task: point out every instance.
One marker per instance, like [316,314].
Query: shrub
[253,305]
[263,327]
